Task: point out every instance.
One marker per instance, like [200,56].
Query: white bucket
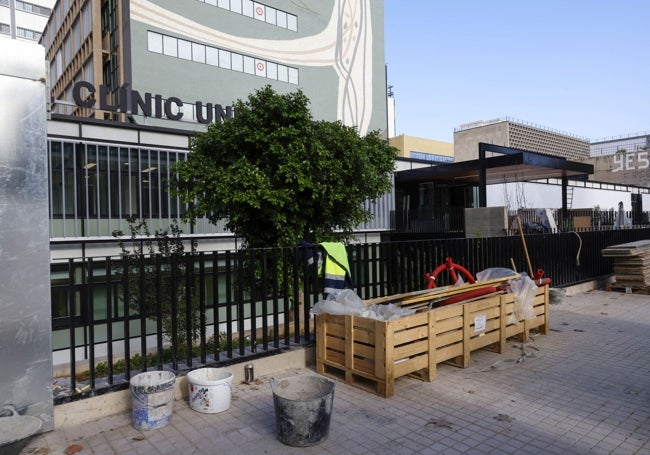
[152,399]
[209,389]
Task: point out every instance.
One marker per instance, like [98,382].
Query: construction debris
[631,264]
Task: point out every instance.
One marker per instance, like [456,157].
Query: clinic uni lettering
[131,101]
[630,161]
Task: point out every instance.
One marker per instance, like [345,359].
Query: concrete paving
[582,389]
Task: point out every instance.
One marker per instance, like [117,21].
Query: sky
[580,67]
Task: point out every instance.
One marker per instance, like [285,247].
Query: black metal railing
[224,307]
[442,222]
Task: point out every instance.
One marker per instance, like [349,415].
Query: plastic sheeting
[347,301]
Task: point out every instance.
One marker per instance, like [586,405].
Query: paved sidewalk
[586,390]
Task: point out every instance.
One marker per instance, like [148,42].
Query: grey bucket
[303,409]
[16,429]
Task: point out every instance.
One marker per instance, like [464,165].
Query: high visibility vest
[336,268]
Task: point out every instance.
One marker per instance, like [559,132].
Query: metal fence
[445,222]
[226,307]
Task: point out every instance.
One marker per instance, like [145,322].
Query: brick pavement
[582,389]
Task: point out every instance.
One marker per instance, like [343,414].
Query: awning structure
[515,166]
[511,165]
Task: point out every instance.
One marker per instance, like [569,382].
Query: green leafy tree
[152,261]
[276,176]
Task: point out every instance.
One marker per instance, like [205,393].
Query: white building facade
[24,20]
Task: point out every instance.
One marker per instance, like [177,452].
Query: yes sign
[630,161]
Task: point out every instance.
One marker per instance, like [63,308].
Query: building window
[155,41]
[87,17]
[67,51]
[170,46]
[28,34]
[59,65]
[198,52]
[184,49]
[211,56]
[258,11]
[237,62]
[432,157]
[89,70]
[29,7]
[94,187]
[5,29]
[76,36]
[109,15]
[224,59]
[175,47]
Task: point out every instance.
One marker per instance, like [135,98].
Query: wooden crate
[371,354]
[461,328]
[521,329]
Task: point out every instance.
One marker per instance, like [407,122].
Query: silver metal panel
[25,309]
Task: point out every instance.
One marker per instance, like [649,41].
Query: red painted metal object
[451,268]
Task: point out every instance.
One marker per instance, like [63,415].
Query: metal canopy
[513,165]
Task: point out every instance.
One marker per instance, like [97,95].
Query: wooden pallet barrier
[372,354]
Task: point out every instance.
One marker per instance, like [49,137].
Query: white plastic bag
[494,273]
[525,291]
[345,301]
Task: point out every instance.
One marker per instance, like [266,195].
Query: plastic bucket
[303,408]
[152,401]
[209,389]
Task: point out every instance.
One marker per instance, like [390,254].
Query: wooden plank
[321,343]
[450,352]
[367,324]
[364,336]
[410,365]
[364,351]
[451,337]
[466,336]
[349,348]
[335,358]
[513,330]
[399,297]
[334,327]
[448,311]
[411,349]
[365,367]
[430,373]
[449,325]
[453,290]
[625,249]
[406,336]
[409,321]
[479,342]
[491,325]
[544,329]
[333,343]
[491,312]
[482,305]
[385,344]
